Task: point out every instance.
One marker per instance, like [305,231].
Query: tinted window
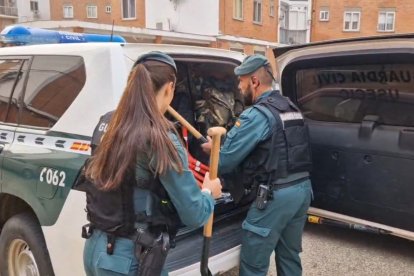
[12,73]
[53,84]
[349,93]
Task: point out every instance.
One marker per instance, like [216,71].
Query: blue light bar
[22,35]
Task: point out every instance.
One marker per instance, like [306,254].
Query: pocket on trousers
[261,231]
[256,247]
[114,263]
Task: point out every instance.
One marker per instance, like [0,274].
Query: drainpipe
[310,11]
[278,22]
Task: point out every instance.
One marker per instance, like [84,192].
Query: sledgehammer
[215,133]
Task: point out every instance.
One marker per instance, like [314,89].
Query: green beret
[157,56]
[250,64]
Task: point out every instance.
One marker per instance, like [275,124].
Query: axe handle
[216,133]
[186,124]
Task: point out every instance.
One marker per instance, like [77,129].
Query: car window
[12,73]
[53,84]
[350,93]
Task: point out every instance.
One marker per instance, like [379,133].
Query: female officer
[140,138]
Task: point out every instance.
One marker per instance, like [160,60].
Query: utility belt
[265,191]
[150,249]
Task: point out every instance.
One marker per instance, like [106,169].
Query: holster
[151,252]
[87,231]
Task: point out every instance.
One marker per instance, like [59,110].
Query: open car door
[358,100]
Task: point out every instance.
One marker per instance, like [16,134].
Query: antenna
[112,31]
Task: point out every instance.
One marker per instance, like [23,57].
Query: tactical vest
[286,151]
[113,211]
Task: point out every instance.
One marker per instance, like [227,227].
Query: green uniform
[279,227]
[193,208]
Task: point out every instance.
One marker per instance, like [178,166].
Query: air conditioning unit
[159,25]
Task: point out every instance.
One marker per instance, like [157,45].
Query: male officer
[269,146]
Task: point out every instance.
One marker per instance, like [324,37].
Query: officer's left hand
[207,146]
[213,185]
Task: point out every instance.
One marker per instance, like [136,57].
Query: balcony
[291,37]
[8,11]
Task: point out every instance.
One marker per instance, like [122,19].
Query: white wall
[300,14]
[186,16]
[26,15]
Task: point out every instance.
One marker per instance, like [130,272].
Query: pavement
[331,251]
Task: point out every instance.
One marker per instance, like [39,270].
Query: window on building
[92,11]
[297,19]
[283,18]
[238,9]
[259,52]
[53,84]
[240,50]
[272,8]
[257,11]
[324,15]
[352,20]
[128,9]
[67,11]
[34,6]
[108,9]
[386,21]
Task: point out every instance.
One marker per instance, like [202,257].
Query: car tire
[23,248]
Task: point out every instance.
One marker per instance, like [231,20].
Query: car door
[41,165]
[359,110]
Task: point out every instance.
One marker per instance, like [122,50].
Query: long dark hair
[137,128]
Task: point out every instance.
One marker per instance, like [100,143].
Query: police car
[51,98]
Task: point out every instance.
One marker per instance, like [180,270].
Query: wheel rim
[21,261]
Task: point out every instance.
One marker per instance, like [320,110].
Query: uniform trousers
[277,228]
[121,262]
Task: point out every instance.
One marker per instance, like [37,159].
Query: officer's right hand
[213,185]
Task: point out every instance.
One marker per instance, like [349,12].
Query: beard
[248,96]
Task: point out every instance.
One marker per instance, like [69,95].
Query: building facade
[332,19]
[32,10]
[249,26]
[8,13]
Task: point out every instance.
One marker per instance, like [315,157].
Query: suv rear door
[359,106]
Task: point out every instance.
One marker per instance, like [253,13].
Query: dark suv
[358,98]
